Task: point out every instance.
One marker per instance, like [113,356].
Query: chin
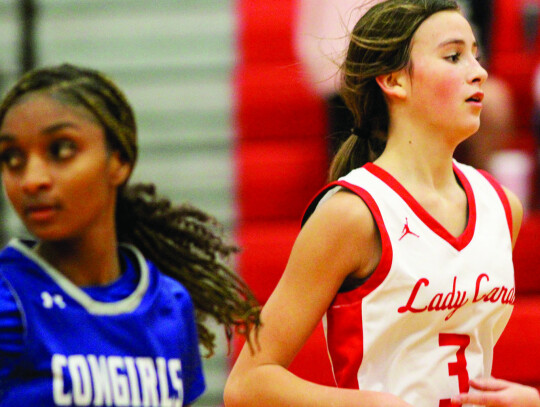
[470,129]
[50,235]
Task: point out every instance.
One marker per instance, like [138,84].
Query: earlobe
[392,85]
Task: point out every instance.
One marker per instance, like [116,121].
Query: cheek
[89,189]
[447,88]
[84,189]
[437,85]
[10,187]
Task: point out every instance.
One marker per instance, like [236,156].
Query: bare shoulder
[347,222]
[343,212]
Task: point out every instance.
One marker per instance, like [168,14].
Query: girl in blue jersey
[395,255]
[105,306]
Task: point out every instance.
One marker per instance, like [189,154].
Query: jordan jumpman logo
[406,230]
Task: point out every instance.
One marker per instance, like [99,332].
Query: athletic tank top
[141,350]
[428,317]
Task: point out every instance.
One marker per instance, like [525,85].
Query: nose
[479,73]
[36,176]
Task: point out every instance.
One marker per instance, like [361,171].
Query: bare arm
[500,393]
[340,239]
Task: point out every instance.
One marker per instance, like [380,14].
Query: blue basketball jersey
[140,350]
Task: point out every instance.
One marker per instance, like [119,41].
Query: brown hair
[380,44]
[181,240]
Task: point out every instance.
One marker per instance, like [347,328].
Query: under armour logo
[406,230]
[50,300]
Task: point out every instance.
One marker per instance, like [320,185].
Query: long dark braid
[184,242]
[187,244]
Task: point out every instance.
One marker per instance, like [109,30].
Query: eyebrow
[46,131]
[59,126]
[456,41]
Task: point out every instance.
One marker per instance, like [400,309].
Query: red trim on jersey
[382,269]
[503,197]
[346,309]
[459,242]
[347,306]
[315,201]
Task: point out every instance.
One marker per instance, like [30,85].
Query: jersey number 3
[459,367]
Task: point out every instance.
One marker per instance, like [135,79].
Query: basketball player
[99,307]
[406,254]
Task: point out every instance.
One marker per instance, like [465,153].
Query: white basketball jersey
[429,316]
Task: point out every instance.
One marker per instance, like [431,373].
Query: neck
[85,261]
[420,156]
[421,150]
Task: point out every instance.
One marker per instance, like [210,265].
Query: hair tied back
[357,132]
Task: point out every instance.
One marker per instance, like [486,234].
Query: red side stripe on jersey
[347,306]
[502,196]
[459,242]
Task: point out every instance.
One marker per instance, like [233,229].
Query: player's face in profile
[446,76]
[56,168]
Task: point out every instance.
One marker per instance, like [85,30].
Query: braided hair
[183,241]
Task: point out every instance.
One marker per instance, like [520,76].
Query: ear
[119,169]
[392,84]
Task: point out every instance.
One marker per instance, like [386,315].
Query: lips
[40,212]
[477,97]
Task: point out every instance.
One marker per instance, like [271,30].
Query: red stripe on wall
[280,155]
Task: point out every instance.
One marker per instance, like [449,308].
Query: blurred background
[233,117]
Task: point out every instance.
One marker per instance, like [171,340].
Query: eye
[454,57]
[11,158]
[62,149]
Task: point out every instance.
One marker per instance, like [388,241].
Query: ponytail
[362,146]
[352,153]
[366,102]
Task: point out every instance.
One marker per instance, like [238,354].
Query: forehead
[40,113]
[45,105]
[442,27]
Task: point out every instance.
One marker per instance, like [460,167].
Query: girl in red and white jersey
[406,254]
